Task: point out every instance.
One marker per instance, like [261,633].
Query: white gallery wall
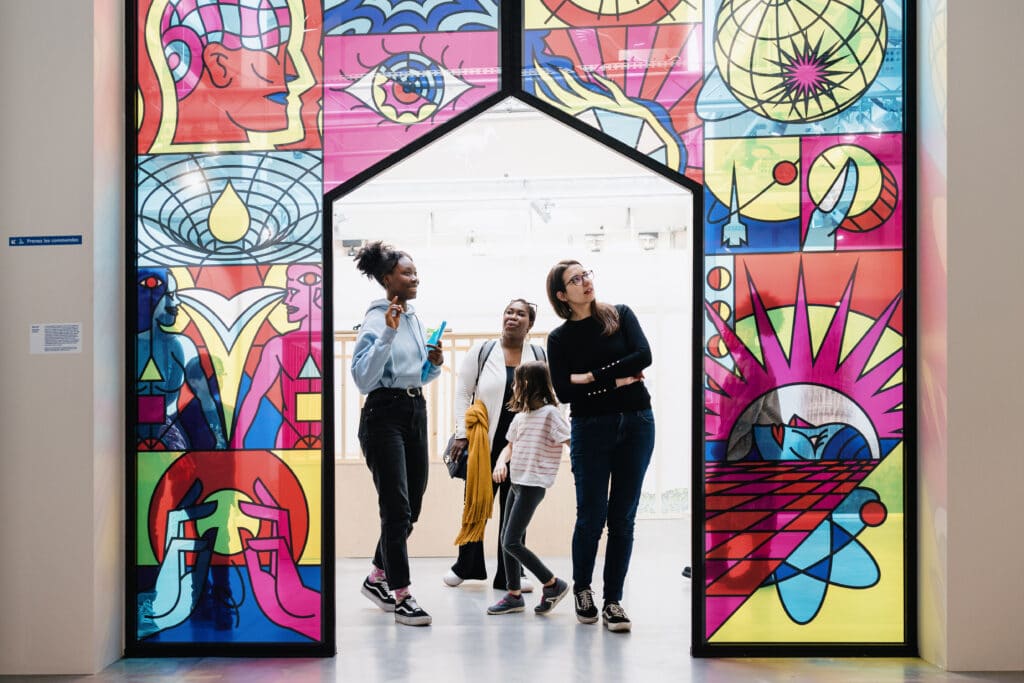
[61,434]
[982,524]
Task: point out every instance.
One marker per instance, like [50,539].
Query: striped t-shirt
[536,438]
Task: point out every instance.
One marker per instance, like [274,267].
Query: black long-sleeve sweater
[577,346]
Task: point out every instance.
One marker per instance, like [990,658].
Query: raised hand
[278,588]
[178,586]
[393,316]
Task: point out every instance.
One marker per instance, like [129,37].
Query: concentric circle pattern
[277,220]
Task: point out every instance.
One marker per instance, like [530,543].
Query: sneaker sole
[372,597]
[554,602]
[586,620]
[412,621]
[505,611]
[618,628]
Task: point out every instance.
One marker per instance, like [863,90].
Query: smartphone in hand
[435,337]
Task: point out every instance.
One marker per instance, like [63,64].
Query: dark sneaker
[507,605]
[614,617]
[550,596]
[586,610]
[379,594]
[409,613]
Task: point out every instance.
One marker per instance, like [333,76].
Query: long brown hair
[532,388]
[606,314]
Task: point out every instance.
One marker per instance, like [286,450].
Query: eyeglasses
[580,277]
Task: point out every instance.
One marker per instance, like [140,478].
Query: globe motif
[799,61]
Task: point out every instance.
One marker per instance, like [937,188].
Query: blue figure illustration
[165,361]
[178,585]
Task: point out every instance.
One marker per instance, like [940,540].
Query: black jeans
[522,503]
[393,436]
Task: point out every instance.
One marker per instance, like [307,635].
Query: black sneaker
[550,596]
[614,617]
[379,594]
[409,613]
[507,605]
[586,610]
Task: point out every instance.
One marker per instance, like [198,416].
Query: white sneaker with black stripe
[614,617]
[409,613]
[586,610]
[379,593]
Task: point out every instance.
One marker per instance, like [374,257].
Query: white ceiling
[514,176]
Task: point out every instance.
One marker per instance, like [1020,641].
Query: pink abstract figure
[278,588]
[294,358]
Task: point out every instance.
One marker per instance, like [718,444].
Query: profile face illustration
[305,292]
[158,298]
[230,71]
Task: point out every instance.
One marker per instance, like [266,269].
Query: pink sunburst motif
[806,74]
[731,392]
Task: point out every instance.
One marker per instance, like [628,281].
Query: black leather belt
[411,392]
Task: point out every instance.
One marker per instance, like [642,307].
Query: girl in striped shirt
[534,451]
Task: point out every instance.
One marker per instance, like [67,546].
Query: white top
[536,438]
[489,388]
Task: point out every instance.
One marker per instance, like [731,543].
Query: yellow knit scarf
[479,489]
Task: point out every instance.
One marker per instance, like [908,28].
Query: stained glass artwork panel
[804,527]
[228,467]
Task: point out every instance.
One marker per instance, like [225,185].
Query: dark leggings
[522,503]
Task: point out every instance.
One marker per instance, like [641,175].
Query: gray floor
[465,644]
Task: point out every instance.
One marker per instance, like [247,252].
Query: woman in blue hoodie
[390,364]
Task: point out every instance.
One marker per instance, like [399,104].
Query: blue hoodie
[390,358]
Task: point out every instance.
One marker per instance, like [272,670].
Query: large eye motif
[151,282]
[408,88]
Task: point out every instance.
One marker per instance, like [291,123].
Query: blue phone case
[434,338]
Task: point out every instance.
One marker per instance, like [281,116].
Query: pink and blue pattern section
[396,71]
[188,26]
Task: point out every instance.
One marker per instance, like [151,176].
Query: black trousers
[393,436]
[470,563]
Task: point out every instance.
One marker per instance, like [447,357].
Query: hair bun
[377,259]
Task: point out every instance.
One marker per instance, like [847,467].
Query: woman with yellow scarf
[483,388]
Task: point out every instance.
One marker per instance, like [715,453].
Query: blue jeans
[609,455]
[393,435]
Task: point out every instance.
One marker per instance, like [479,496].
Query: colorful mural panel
[221,75]
[791,113]
[228,469]
[632,73]
[803,516]
[396,71]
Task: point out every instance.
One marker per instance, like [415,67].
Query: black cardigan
[577,346]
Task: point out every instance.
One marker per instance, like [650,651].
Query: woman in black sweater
[597,357]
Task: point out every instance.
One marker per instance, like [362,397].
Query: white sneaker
[452,579]
[525,585]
